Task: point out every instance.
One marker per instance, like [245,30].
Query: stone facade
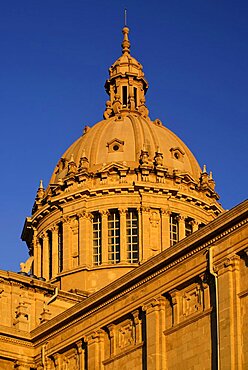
[133,263]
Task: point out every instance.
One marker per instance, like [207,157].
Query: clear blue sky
[54,61]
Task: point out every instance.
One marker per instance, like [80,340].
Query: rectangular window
[124,96]
[135,96]
[60,247]
[97,239]
[114,237]
[174,229]
[132,236]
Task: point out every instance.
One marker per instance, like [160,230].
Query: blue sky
[54,62]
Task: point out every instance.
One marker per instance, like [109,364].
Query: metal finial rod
[125,17]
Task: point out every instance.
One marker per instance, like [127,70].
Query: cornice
[173,193]
[11,335]
[198,241]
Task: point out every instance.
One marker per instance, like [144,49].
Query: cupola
[125,190]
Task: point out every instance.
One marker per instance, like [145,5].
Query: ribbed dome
[121,139]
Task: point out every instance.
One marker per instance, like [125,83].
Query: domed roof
[122,139]
[127,135]
[118,192]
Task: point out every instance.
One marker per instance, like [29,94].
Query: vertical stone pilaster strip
[155,339]
[74,242]
[229,313]
[181,226]
[55,251]
[39,261]
[145,216]
[35,253]
[112,336]
[96,350]
[66,244]
[137,325]
[195,226]
[140,235]
[82,240]
[45,261]
[165,229]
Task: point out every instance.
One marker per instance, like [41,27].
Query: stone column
[165,228]
[140,235]
[39,258]
[181,227]
[74,243]
[96,350]
[81,355]
[155,339]
[112,335]
[138,328]
[105,214]
[195,225]
[174,300]
[66,244]
[55,253]
[145,217]
[123,235]
[45,262]
[35,253]
[85,238]
[57,359]
[229,313]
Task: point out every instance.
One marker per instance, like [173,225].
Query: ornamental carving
[125,334]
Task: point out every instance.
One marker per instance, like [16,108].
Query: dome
[126,190]
[122,139]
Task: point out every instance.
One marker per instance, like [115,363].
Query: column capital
[154,305]
[85,214]
[95,336]
[227,264]
[165,211]
[145,209]
[122,211]
[54,228]
[104,212]
[180,218]
[66,219]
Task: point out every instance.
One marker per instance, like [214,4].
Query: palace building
[133,262]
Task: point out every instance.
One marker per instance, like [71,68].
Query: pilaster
[181,227]
[35,253]
[155,339]
[74,243]
[66,243]
[165,228]
[54,230]
[229,313]
[85,238]
[145,216]
[96,350]
[45,261]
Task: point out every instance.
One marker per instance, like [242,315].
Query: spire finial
[125,43]
[41,185]
[125,17]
